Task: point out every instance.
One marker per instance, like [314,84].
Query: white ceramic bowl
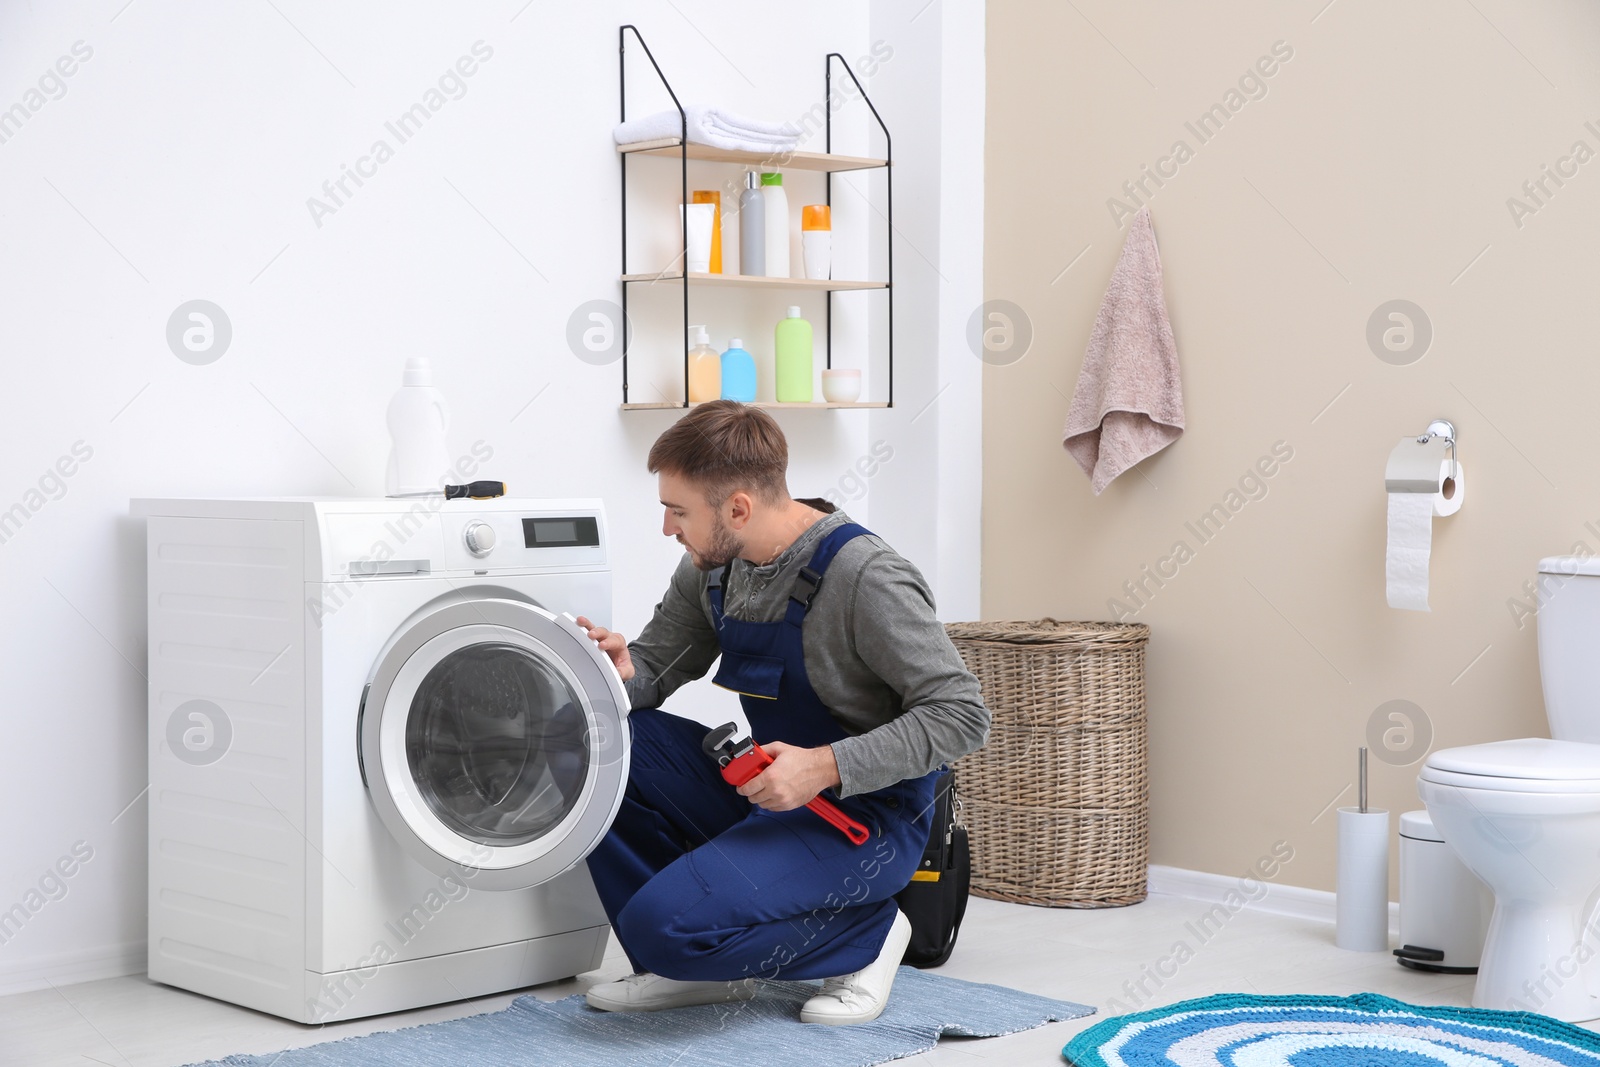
[1536,852]
[841,386]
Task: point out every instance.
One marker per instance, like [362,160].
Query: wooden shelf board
[754,281]
[669,146]
[818,405]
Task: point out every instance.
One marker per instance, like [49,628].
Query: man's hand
[612,644]
[796,776]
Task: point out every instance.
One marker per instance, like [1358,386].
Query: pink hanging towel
[1129,401]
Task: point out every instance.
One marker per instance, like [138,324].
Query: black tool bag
[936,898]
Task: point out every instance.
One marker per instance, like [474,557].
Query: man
[848,680]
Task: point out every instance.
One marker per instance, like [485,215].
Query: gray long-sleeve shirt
[875,653]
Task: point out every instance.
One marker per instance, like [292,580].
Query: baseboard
[1292,901]
[69,968]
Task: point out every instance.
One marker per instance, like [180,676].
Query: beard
[725,545]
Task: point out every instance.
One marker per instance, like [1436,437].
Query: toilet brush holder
[1362,905]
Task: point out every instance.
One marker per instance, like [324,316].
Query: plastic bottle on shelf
[705,368]
[752,227]
[816,240]
[775,207]
[738,373]
[714,198]
[417,418]
[792,359]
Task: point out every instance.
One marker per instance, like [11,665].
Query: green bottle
[792,359]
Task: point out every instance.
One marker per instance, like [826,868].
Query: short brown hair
[724,446]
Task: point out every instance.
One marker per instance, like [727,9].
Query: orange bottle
[705,368]
[714,198]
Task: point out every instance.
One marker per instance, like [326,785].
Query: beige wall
[1377,166]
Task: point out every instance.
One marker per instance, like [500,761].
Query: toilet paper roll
[1361,906]
[1411,518]
[1447,501]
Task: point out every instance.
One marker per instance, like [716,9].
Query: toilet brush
[1361,776]
[1362,904]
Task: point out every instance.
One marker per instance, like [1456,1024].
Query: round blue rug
[1366,1030]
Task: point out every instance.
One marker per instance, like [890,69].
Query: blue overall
[702,885]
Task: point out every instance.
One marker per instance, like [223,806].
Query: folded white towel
[711,126]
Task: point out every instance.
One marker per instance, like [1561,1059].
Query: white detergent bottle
[419,463]
[775,209]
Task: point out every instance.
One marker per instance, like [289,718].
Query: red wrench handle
[831,812]
[740,770]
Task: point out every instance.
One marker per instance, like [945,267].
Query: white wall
[176,165]
[927,500]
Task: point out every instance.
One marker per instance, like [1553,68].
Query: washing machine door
[492,742]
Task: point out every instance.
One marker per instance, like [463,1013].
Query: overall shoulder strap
[714,582]
[809,579]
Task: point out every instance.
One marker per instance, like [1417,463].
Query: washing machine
[380,748]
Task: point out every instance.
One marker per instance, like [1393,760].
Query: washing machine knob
[480,538]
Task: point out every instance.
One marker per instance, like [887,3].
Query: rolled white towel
[711,126]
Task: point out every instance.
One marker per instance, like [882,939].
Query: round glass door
[493,743]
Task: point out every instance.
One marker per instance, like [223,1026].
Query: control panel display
[556,532]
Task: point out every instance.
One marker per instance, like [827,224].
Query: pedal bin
[1444,908]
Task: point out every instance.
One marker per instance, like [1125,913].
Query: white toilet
[1524,816]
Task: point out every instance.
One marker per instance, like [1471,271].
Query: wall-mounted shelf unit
[682,149]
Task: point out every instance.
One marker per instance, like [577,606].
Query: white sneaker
[651,992]
[862,996]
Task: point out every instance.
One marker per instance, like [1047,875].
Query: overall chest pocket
[756,676]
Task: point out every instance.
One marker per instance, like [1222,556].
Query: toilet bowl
[1524,816]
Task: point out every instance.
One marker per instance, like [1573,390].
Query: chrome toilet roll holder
[1416,463]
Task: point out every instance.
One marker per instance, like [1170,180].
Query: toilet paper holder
[1416,463]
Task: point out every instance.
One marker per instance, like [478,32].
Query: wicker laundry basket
[1057,800]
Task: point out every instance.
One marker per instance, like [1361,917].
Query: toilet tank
[1569,639]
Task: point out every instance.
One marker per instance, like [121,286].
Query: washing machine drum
[492,742]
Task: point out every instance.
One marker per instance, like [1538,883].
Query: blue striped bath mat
[765,1031]
[1366,1030]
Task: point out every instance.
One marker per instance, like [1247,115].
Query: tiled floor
[1093,957]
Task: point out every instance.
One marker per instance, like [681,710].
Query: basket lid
[1048,631]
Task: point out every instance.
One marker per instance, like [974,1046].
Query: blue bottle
[738,373]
